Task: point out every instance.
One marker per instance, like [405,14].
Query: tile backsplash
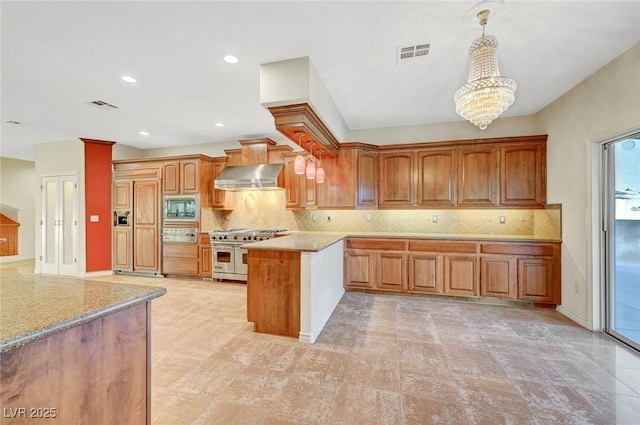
[266,209]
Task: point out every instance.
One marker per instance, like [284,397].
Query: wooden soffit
[291,119]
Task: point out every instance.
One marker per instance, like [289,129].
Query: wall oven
[180,208]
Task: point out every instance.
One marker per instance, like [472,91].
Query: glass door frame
[609,243]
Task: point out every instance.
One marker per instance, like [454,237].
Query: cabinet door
[391,271]
[359,269]
[522,171]
[291,183]
[397,179]
[171,178]
[310,192]
[122,196]
[437,178]
[122,249]
[498,277]
[367,186]
[425,273]
[460,275]
[205,261]
[477,176]
[218,195]
[189,176]
[146,226]
[535,279]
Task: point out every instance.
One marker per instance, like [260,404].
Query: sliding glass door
[622,225]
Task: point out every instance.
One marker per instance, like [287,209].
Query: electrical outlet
[328,219]
[434,219]
[503,219]
[314,217]
[369,217]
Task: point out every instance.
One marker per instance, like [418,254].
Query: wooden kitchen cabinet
[146,226]
[204,255]
[523,174]
[425,273]
[477,176]
[437,178]
[460,275]
[180,177]
[367,184]
[526,271]
[122,248]
[376,264]
[122,196]
[180,258]
[219,199]
[292,183]
[397,182]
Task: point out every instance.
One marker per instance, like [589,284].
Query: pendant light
[311,165]
[320,170]
[487,94]
[299,162]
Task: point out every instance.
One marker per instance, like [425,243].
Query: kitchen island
[294,283]
[74,351]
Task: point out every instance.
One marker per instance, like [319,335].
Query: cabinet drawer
[516,249]
[184,266]
[443,246]
[384,244]
[180,250]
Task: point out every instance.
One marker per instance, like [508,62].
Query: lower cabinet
[180,258]
[376,264]
[204,247]
[511,270]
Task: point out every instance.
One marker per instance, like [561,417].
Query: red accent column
[97,171]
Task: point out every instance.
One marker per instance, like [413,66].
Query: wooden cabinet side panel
[95,373]
[273,292]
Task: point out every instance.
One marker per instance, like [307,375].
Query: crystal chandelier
[486,94]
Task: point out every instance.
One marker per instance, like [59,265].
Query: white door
[59,225]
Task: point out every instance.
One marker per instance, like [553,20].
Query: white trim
[15,258]
[306,338]
[571,315]
[96,274]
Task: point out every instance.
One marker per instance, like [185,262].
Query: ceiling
[57,57]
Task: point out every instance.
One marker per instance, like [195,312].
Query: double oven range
[230,262]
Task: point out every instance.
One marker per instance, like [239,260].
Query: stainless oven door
[223,260]
[242,262]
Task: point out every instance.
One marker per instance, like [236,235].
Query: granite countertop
[33,306]
[295,240]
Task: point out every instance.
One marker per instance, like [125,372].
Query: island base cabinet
[95,373]
[273,292]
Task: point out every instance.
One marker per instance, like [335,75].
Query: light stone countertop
[295,240]
[34,306]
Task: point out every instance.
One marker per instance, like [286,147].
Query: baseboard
[306,338]
[96,274]
[571,315]
[14,258]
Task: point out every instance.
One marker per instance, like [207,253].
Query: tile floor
[382,360]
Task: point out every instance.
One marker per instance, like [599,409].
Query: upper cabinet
[367,179]
[477,176]
[508,173]
[180,177]
[523,174]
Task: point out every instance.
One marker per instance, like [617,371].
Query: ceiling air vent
[13,122]
[410,52]
[103,105]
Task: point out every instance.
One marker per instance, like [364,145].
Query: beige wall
[601,107]
[58,158]
[15,176]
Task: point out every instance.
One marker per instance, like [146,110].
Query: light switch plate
[94,218]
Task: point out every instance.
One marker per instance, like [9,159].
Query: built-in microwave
[180,208]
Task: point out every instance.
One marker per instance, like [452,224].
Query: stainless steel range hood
[260,176]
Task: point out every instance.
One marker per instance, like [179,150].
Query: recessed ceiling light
[144,133]
[230,59]
[219,124]
[128,79]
